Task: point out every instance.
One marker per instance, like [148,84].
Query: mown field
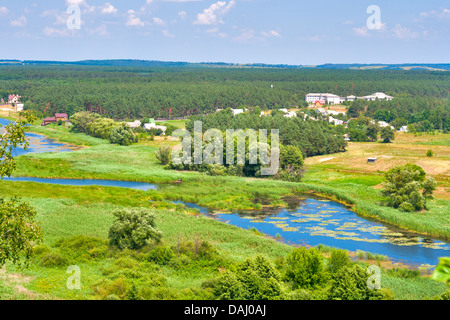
[66,211]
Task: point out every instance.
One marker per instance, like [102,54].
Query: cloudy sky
[236,31]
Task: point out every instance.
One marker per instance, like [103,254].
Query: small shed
[372,160]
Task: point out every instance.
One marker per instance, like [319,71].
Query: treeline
[424,113]
[311,137]
[177,91]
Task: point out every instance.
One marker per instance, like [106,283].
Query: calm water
[317,221]
[310,221]
[39,143]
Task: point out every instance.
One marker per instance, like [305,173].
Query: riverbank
[351,186]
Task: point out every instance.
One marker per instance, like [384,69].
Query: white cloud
[51,32]
[245,36]
[134,21]
[271,33]
[20,22]
[159,21]
[214,12]
[363,32]
[443,13]
[401,32]
[4,10]
[182,14]
[167,34]
[108,8]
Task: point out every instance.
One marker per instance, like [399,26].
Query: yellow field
[405,149]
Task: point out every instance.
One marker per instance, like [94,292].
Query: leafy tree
[305,268]
[133,228]
[254,279]
[81,120]
[19,232]
[387,134]
[339,259]
[163,154]
[429,153]
[122,135]
[350,283]
[372,132]
[403,188]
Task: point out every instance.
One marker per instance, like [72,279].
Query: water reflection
[312,221]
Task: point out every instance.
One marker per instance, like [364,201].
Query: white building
[291,114]
[377,96]
[336,122]
[237,111]
[19,107]
[328,97]
[404,129]
[384,124]
[334,99]
[150,126]
[135,124]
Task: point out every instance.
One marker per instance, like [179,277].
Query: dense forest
[175,91]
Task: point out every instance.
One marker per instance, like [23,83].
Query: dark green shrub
[446,295]
[304,268]
[133,228]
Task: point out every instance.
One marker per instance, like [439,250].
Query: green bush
[305,269]
[164,154]
[54,259]
[133,228]
[254,279]
[429,153]
[350,283]
[160,255]
[339,258]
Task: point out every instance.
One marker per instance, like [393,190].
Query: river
[309,221]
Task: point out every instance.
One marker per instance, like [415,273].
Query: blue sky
[236,31]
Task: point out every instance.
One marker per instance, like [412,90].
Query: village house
[58,117]
[13,98]
[135,124]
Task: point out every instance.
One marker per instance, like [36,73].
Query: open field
[67,211]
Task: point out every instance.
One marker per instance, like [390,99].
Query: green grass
[66,211]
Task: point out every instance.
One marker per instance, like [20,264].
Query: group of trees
[302,275]
[364,129]
[407,188]
[421,113]
[96,126]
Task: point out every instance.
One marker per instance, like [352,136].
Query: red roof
[50,119]
[61,115]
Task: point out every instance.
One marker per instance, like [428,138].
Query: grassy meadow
[68,211]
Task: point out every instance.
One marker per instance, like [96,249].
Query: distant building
[19,107]
[61,116]
[377,96]
[58,117]
[135,124]
[328,97]
[13,98]
[372,160]
[48,121]
[152,125]
[322,98]
[404,129]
